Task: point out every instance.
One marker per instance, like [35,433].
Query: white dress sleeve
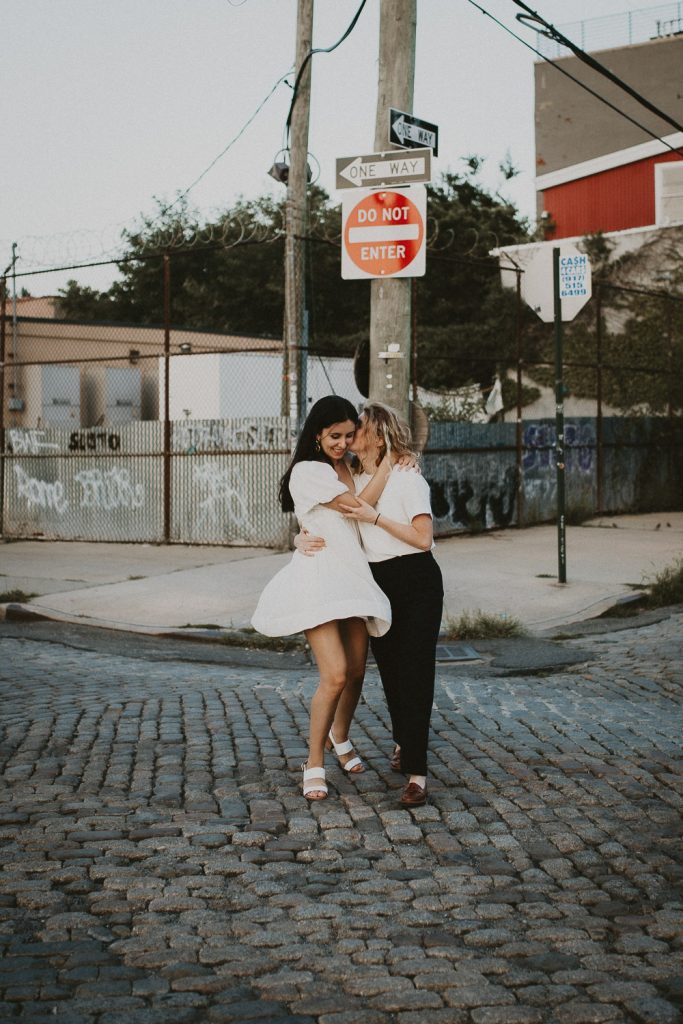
[313,483]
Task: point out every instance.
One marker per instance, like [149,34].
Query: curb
[240,639]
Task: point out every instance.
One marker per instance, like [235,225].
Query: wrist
[377,519]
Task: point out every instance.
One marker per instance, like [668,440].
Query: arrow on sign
[413,133]
[404,168]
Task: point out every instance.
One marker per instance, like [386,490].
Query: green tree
[466,319]
[227,275]
[641,332]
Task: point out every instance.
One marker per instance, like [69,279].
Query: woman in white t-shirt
[397,536]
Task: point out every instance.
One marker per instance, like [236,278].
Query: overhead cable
[181,195]
[555,34]
[577,81]
[310,55]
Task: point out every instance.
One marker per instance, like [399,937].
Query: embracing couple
[363,565]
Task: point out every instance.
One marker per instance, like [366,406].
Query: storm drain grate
[448,652]
[456,652]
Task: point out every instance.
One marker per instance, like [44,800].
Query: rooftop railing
[616,30]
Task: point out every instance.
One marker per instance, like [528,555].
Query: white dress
[335,583]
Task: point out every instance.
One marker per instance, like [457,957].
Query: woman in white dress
[332,598]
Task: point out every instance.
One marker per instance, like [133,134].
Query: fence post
[519,437]
[670,376]
[599,449]
[167,400]
[3,310]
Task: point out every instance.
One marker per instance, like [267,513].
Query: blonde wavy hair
[389,428]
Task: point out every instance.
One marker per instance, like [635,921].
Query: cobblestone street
[160,865]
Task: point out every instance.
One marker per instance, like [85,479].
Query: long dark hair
[325,412]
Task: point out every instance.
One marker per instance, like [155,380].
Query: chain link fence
[166,431]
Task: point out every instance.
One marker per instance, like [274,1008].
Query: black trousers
[406,655]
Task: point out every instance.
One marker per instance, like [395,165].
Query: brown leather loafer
[395,762]
[414,795]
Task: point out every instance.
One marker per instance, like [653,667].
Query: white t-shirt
[405,496]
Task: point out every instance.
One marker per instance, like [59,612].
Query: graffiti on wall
[265,435]
[107,489]
[539,446]
[480,494]
[222,501]
[29,442]
[43,494]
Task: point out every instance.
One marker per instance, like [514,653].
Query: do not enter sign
[383,233]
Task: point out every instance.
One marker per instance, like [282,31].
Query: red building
[597,171]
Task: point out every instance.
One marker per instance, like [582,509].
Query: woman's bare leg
[354,636]
[330,655]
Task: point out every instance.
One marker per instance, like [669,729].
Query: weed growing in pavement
[657,591]
[10,596]
[480,625]
[666,586]
[248,638]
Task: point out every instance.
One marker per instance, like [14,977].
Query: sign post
[557,284]
[559,423]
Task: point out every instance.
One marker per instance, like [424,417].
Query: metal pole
[15,327]
[413,336]
[519,435]
[559,424]
[390,320]
[296,217]
[167,398]
[599,452]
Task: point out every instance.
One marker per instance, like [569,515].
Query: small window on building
[669,192]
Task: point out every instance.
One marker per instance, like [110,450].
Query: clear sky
[111,103]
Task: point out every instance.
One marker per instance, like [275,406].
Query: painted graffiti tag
[82,441]
[41,493]
[474,496]
[253,435]
[29,442]
[539,444]
[223,496]
[109,490]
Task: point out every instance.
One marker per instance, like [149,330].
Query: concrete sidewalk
[152,589]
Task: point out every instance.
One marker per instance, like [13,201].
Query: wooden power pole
[390,304]
[296,219]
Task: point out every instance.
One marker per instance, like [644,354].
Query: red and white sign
[383,233]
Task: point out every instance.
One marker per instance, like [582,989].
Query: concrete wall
[108,484]
[474,472]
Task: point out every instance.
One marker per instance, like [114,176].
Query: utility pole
[390,303]
[296,221]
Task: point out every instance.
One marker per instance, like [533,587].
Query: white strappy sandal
[314,782]
[354,766]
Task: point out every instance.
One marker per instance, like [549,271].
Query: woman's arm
[370,493]
[419,533]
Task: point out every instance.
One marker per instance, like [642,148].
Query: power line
[222,153]
[577,81]
[310,55]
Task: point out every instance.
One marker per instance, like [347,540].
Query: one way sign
[412,133]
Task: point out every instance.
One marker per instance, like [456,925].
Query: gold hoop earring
[317,446]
